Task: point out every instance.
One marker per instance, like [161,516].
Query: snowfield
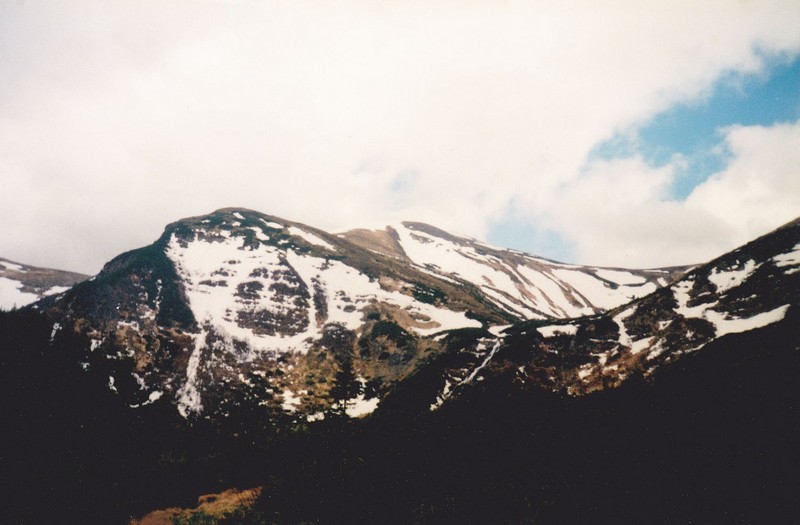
[526,286]
[226,281]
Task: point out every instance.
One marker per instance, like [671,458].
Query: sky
[629,134]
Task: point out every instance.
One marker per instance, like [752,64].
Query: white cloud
[116,118]
[620,212]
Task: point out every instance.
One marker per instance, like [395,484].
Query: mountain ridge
[22,284]
[245,299]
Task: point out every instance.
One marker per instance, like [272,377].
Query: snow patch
[682,292]
[260,235]
[318,416]
[291,400]
[12,296]
[12,266]
[497,330]
[152,398]
[310,238]
[273,225]
[485,362]
[360,407]
[724,280]
[725,325]
[441,398]
[189,400]
[54,331]
[791,258]
[55,290]
[559,329]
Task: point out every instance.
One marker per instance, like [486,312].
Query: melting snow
[12,266]
[152,398]
[260,235]
[530,289]
[12,296]
[555,299]
[310,238]
[54,331]
[725,325]
[560,329]
[189,396]
[273,225]
[291,401]
[682,292]
[343,289]
[791,258]
[600,294]
[318,416]
[624,338]
[441,398]
[724,280]
[55,290]
[722,323]
[485,362]
[360,407]
[497,330]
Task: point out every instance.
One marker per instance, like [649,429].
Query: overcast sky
[633,134]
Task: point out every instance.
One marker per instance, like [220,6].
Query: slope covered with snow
[274,296]
[751,288]
[523,285]
[756,287]
[21,284]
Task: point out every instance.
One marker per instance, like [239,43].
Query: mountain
[21,284]
[242,350]
[291,318]
[524,286]
[739,293]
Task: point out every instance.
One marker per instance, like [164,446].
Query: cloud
[116,118]
[620,211]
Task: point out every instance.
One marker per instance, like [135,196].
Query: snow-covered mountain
[523,285]
[21,284]
[754,287]
[270,309]
[210,356]
[293,318]
[238,307]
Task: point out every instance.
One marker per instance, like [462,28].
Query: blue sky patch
[692,129]
[527,237]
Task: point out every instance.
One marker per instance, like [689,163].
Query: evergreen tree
[346,385]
